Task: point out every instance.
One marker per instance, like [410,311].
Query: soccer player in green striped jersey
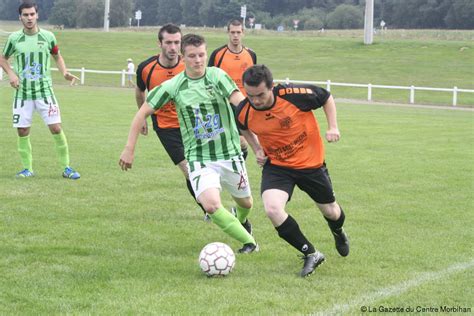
[211,140]
[32,49]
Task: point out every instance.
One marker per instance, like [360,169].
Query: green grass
[429,58]
[118,242]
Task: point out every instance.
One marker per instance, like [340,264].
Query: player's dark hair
[26,5]
[169,28]
[257,74]
[191,39]
[234,22]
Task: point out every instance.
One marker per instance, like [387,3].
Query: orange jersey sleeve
[150,74]
[288,131]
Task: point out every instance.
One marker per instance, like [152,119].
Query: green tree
[9,9]
[90,13]
[149,9]
[168,12]
[190,9]
[120,12]
[460,15]
[61,13]
[345,17]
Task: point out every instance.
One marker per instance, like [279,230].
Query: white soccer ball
[216,259]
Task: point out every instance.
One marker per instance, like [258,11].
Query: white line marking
[370,298]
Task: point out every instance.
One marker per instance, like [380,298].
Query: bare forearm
[6,65]
[139,97]
[252,139]
[331,113]
[61,64]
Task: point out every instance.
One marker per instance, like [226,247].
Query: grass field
[440,59]
[118,242]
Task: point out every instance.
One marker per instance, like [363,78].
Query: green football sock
[231,226]
[62,149]
[24,149]
[242,213]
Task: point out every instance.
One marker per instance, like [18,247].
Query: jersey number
[16,118]
[196,179]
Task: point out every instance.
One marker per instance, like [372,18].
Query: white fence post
[83,75]
[412,94]
[369,92]
[123,77]
[455,96]
[328,85]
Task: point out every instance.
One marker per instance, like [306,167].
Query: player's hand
[261,157]
[14,81]
[70,77]
[144,130]
[333,135]
[126,159]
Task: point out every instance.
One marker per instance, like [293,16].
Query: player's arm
[62,67]
[126,158]
[252,139]
[140,98]
[332,133]
[236,97]
[14,80]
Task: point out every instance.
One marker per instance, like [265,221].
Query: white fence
[455,90]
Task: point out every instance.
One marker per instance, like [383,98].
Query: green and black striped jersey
[205,115]
[32,62]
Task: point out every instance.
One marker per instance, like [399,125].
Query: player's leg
[172,142]
[235,180]
[277,187]
[22,117]
[206,185]
[49,111]
[317,184]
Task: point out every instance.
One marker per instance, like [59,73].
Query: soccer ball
[216,259]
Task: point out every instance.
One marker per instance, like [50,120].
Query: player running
[211,141]
[150,74]
[291,152]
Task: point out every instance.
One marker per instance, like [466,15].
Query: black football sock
[336,226]
[291,233]
[190,189]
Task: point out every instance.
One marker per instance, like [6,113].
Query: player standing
[234,58]
[32,49]
[291,152]
[211,141]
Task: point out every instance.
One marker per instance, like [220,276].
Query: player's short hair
[191,39]
[257,74]
[169,28]
[234,22]
[26,4]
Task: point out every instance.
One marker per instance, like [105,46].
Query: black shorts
[172,142]
[315,182]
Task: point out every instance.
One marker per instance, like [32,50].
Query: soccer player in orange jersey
[234,58]
[289,147]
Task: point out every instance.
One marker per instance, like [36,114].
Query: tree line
[271,14]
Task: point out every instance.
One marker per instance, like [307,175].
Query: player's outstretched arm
[140,97]
[14,80]
[126,158]
[62,67]
[332,133]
